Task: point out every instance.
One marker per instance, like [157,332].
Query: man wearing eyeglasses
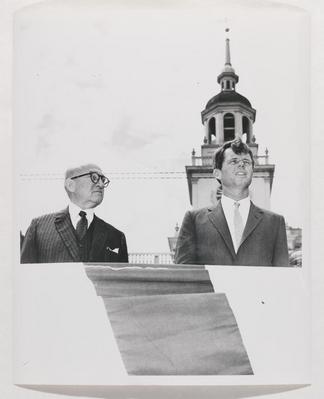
[76,234]
[235,232]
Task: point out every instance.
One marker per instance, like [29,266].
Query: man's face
[88,194]
[236,172]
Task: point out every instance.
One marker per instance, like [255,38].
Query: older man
[235,232]
[76,234]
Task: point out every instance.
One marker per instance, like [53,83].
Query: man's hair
[77,170]
[237,146]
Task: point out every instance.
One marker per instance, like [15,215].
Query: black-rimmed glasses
[95,177]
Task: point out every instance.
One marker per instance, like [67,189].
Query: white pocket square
[116,250]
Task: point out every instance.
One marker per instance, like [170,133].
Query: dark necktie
[82,225]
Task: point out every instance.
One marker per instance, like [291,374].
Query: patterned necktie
[82,225]
[238,224]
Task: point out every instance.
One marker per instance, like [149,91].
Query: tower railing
[158,258]
[262,159]
[201,161]
[208,160]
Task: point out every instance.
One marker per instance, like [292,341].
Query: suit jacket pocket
[111,256]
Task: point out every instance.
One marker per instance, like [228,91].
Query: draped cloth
[167,320]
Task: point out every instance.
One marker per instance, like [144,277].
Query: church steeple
[228,115]
[227,79]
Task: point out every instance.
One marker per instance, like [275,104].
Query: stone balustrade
[157,258]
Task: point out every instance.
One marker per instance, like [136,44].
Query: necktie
[82,225]
[238,224]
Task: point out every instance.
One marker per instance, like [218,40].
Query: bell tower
[227,115]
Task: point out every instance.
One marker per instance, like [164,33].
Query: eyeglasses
[95,177]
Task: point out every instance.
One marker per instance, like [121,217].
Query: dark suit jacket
[52,239]
[205,238]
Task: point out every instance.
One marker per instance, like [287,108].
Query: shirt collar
[228,202]
[74,214]
[241,201]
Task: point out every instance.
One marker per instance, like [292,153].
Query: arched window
[229,127]
[247,129]
[211,130]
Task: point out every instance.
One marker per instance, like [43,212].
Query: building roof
[228,96]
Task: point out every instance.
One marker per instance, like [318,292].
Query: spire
[227,79]
[228,65]
[227,50]
[228,54]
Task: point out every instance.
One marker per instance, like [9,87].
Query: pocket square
[115,250]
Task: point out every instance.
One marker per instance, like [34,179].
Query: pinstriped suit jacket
[205,238]
[51,239]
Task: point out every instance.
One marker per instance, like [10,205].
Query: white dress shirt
[74,211]
[228,208]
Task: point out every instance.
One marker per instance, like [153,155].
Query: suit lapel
[254,218]
[100,233]
[65,229]
[217,218]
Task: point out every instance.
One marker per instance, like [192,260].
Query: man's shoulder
[266,212]
[49,217]
[201,212]
[204,211]
[108,226]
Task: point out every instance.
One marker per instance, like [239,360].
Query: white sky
[124,87]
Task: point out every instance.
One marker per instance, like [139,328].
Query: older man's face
[88,194]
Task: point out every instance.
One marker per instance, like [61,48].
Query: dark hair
[237,146]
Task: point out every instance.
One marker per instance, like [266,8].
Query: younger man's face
[237,170]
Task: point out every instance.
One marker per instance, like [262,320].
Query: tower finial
[227,79]
[227,50]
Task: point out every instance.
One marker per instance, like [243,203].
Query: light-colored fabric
[228,205]
[120,281]
[182,334]
[238,225]
[167,320]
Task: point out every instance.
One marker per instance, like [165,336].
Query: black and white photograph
[162,200]
[148,106]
